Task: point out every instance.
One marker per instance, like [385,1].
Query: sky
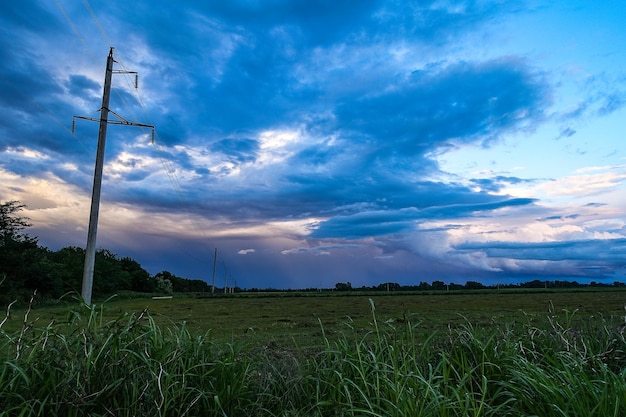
[316,142]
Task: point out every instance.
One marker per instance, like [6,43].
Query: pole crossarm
[128,72]
[121,121]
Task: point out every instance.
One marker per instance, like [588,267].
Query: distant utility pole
[90,251]
[214,266]
[225,280]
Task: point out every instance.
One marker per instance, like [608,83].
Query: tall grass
[505,370]
[132,367]
[125,367]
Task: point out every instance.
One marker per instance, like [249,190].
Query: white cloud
[585,184]
[277,145]
[25,153]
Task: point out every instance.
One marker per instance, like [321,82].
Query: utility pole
[214,266]
[90,250]
[225,279]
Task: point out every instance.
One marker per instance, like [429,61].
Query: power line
[95,18]
[76,32]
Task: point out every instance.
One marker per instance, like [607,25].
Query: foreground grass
[88,364]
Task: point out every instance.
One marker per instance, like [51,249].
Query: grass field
[491,353]
[285,317]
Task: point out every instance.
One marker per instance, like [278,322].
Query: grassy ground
[449,354]
[288,318]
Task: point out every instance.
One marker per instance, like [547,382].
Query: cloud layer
[371,141]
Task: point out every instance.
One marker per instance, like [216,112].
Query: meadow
[489,353]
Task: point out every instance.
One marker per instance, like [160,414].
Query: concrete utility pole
[90,250]
[214,266]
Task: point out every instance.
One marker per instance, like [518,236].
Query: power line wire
[77,32]
[95,18]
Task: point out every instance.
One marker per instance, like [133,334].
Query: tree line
[475,285]
[27,267]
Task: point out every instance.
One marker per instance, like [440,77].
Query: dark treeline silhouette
[474,285]
[26,268]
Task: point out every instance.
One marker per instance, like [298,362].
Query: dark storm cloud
[26,97]
[327,21]
[378,223]
[26,14]
[457,210]
[254,50]
[464,102]
[383,142]
[384,135]
[346,194]
[237,150]
[21,74]
[79,85]
[438,22]
[319,23]
[242,59]
[601,250]
[29,93]
[559,217]
[495,184]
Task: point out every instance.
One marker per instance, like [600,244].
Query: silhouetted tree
[140,279]
[23,264]
[438,285]
[68,267]
[12,224]
[424,286]
[474,285]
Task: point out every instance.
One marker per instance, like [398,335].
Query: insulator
[136,80]
[153,136]
[73,125]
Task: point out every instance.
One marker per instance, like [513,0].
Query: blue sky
[314,142]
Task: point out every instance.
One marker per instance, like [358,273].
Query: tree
[22,261]
[26,267]
[163,282]
[109,275]
[140,278]
[438,285]
[424,286]
[474,285]
[11,224]
[341,286]
[69,262]
[388,286]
